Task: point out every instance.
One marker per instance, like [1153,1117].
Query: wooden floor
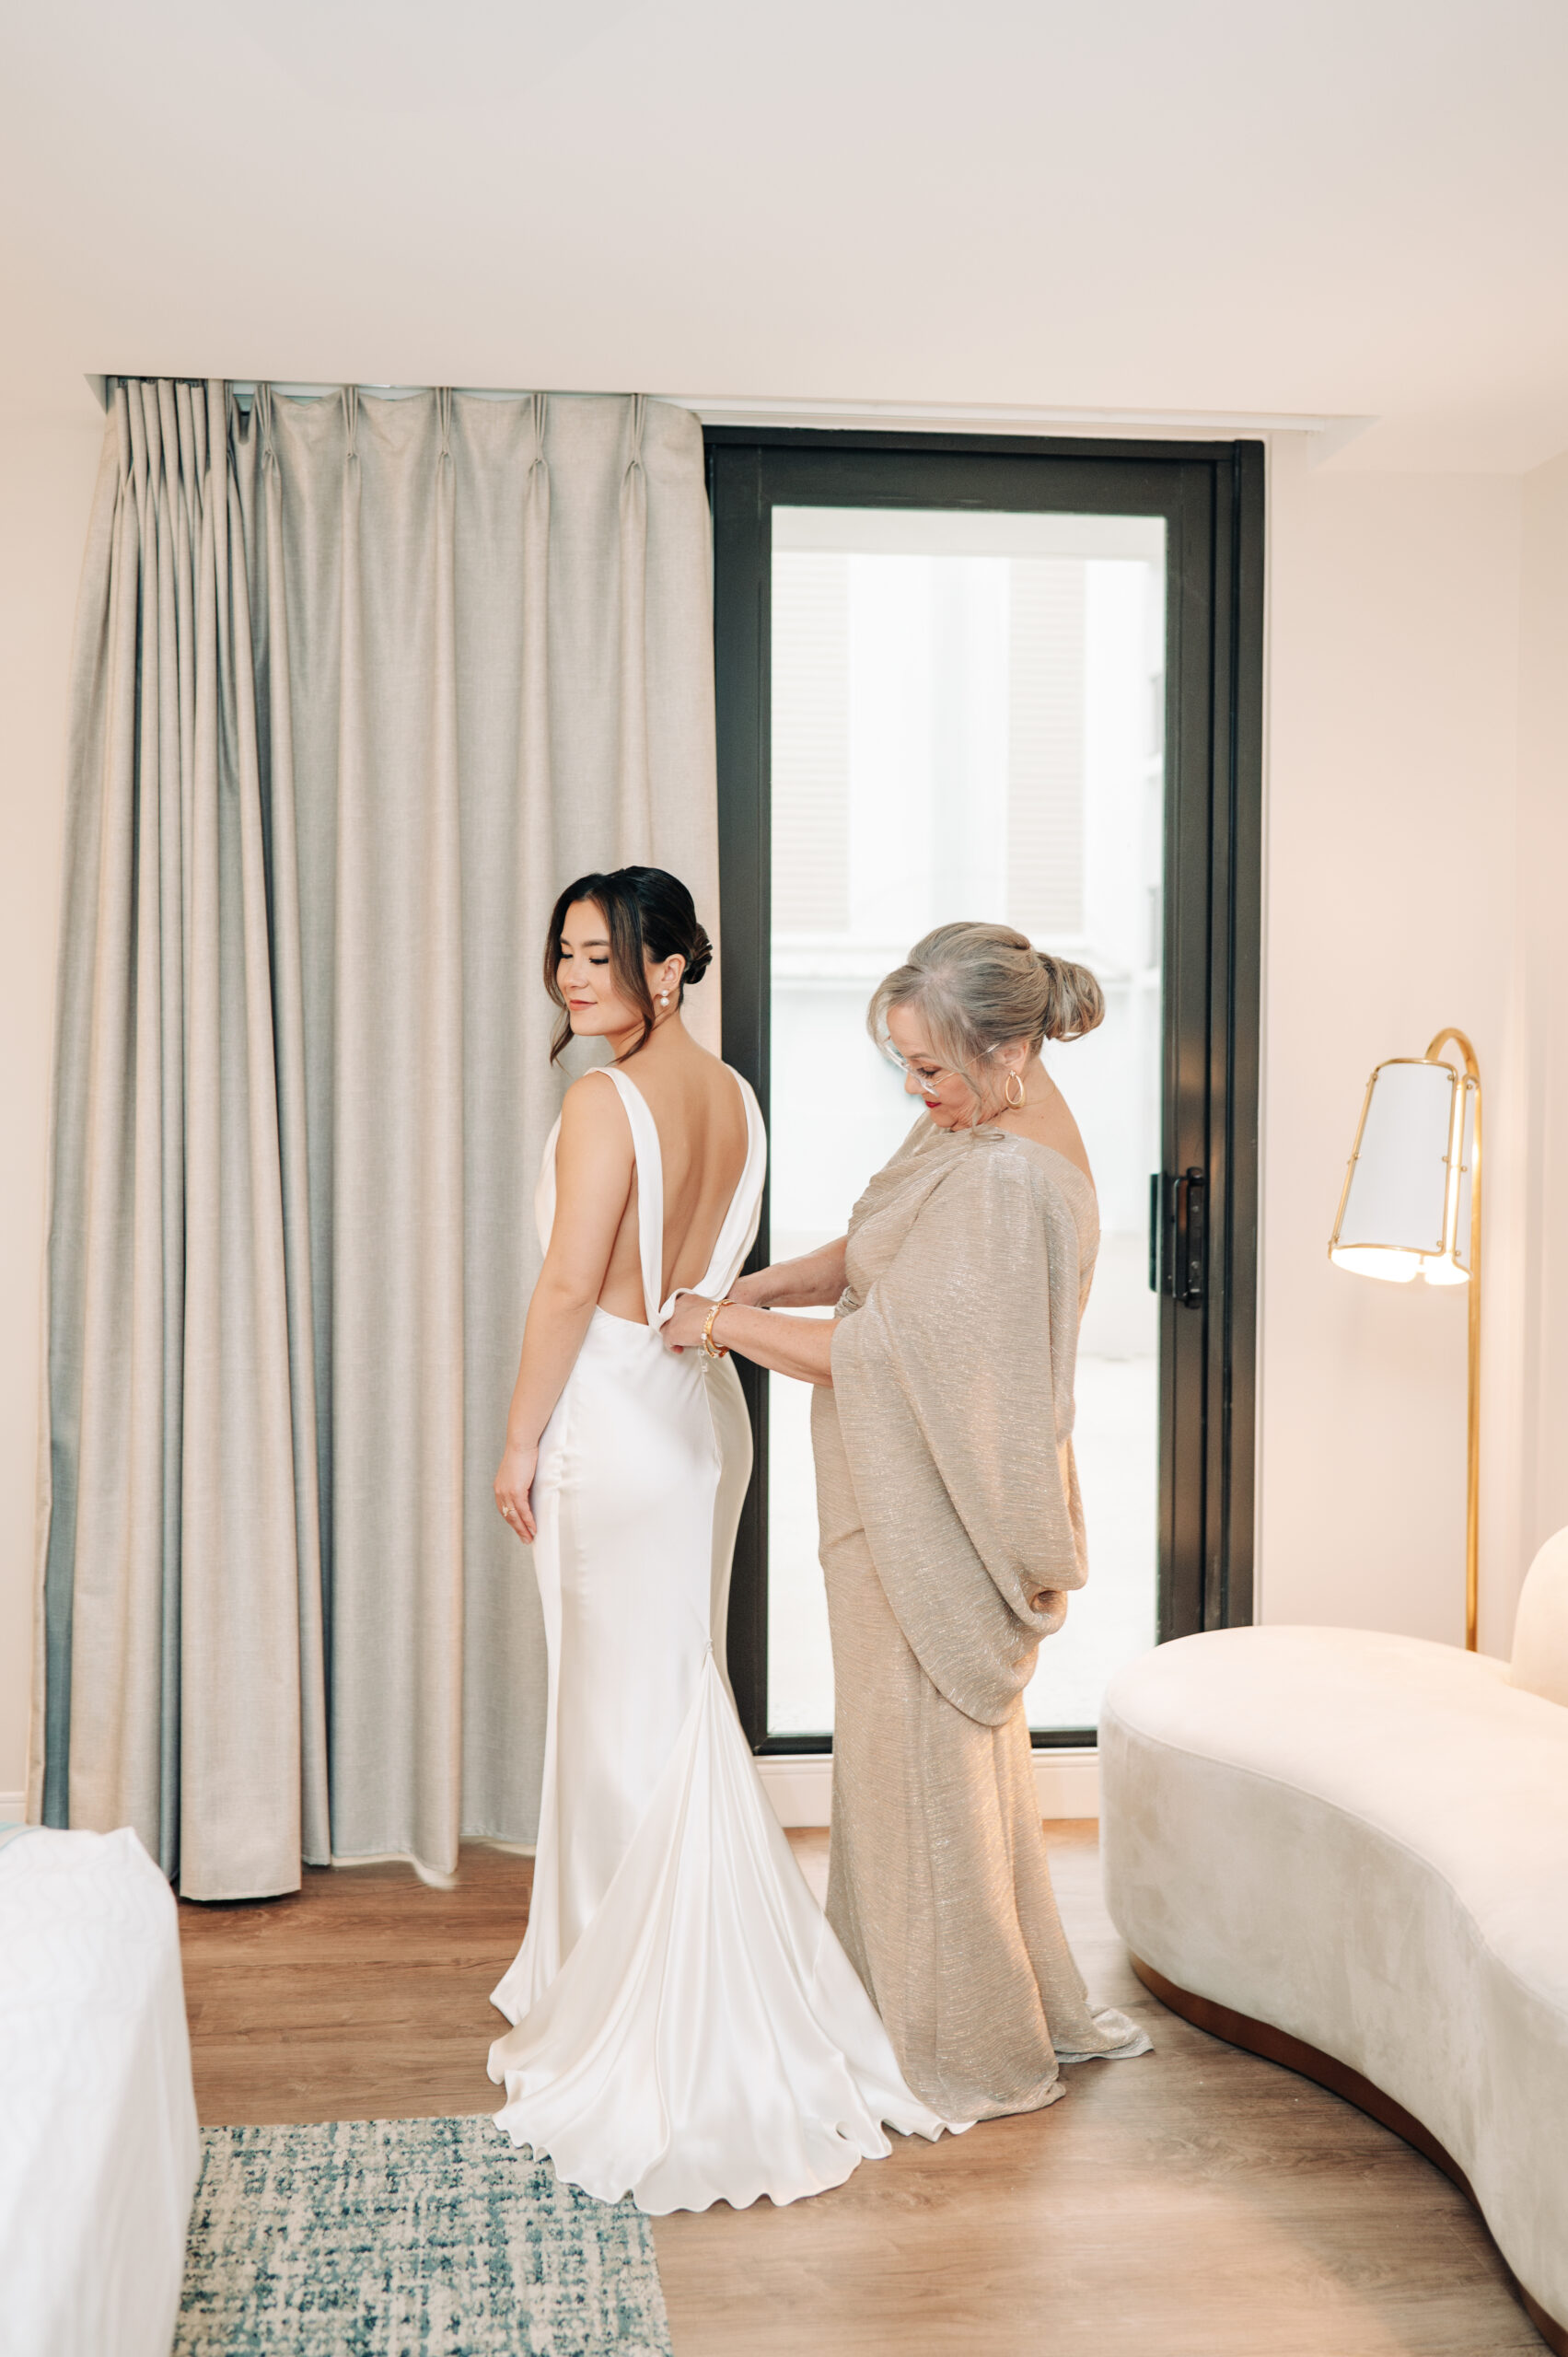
[1195,2203]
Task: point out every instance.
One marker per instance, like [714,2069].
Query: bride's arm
[815,1281]
[594,1168]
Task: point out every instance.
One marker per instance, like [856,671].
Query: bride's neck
[666,1031]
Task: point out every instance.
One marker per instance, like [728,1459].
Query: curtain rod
[936,417]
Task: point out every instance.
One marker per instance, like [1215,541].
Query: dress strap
[739,1232]
[650,1186]
[544,1193]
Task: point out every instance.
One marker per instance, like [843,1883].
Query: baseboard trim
[1294,2054]
[801,1784]
[1067,1783]
[13,1807]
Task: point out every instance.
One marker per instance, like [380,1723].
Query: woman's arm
[815,1281]
[593,1169]
[802,1347]
[799,1346]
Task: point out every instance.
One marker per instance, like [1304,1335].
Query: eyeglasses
[914,1072]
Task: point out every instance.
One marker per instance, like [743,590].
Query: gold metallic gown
[951,1531]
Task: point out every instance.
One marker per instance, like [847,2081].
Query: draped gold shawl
[968,1262]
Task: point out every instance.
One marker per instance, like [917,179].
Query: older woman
[950,1520]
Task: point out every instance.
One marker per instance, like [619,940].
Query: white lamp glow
[1406,1207]
[1411,1207]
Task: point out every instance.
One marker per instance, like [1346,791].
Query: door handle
[1179,1235]
[1190,1273]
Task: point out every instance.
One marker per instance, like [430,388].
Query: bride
[687,2027]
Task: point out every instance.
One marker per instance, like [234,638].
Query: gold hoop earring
[1012,1081]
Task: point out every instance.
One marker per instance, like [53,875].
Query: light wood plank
[363,1996]
[1199,2204]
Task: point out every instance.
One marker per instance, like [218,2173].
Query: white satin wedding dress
[687,2028]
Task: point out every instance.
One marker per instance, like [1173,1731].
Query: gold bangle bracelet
[710,1348]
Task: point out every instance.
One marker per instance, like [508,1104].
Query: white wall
[1393,687]
[1542,968]
[47,472]
[1418,828]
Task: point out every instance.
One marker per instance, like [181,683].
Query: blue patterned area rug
[408,2238]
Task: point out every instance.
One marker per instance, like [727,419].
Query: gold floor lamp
[1411,1206]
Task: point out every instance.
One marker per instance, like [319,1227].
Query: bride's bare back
[701,1119]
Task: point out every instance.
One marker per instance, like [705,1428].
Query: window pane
[967,712]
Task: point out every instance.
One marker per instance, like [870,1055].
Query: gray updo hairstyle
[977,986]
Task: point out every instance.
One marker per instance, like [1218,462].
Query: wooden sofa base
[1278,2045]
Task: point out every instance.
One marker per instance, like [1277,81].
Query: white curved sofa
[1350,1852]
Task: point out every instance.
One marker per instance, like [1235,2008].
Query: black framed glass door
[1021,680]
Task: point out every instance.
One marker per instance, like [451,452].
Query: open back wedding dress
[687,2028]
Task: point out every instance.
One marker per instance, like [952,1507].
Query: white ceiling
[1238,208]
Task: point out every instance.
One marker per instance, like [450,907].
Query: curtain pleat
[239,1730]
[359,682]
[260,485]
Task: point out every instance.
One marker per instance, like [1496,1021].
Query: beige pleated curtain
[359,682]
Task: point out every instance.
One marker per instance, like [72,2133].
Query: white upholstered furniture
[1350,1852]
[99,2143]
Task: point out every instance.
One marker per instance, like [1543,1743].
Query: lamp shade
[1405,1211]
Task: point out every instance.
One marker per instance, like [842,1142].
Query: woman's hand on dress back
[682,1329]
[514,1484]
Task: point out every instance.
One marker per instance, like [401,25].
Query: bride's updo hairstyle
[979,986]
[647,913]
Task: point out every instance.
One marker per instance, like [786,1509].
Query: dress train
[687,2026]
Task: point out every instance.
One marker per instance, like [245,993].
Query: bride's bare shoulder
[700,1058]
[684,1073]
[726,1091]
[592,1113]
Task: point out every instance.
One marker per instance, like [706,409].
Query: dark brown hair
[648,913]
